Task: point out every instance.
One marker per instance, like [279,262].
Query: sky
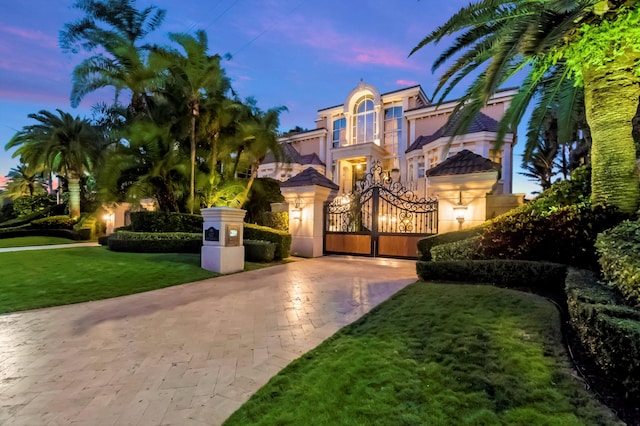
[301,54]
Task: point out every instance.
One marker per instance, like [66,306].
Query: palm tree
[196,76]
[593,42]
[150,165]
[117,28]
[25,180]
[67,145]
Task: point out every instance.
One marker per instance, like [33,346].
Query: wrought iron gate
[379,218]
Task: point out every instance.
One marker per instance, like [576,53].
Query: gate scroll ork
[379,218]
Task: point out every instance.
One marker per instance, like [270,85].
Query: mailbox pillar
[222,236]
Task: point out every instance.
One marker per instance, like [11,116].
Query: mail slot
[233,235]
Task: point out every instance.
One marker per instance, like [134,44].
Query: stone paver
[190,354]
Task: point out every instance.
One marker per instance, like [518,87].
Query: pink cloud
[3,181]
[406,82]
[34,36]
[339,46]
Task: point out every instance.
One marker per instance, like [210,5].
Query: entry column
[307,193]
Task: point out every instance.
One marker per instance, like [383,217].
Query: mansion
[408,135]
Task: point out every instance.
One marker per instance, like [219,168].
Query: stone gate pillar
[222,237]
[306,194]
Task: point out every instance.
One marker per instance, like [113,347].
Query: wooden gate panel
[399,245]
[347,243]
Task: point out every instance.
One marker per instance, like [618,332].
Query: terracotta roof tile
[309,176]
[480,123]
[462,163]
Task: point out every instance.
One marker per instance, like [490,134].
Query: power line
[250,42]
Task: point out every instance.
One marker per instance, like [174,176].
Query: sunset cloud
[37,37]
[407,82]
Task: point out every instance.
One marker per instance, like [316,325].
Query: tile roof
[309,176]
[291,155]
[462,163]
[480,123]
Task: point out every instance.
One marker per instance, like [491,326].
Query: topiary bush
[564,235]
[619,257]
[259,251]
[539,277]
[459,250]
[607,329]
[54,222]
[280,238]
[155,242]
[158,221]
[425,245]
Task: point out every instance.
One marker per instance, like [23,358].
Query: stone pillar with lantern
[307,193]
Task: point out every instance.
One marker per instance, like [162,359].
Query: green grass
[434,355]
[37,279]
[33,241]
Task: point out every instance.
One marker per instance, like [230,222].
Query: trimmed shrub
[425,245]
[607,329]
[27,206]
[159,221]
[458,250]
[259,251]
[27,231]
[53,210]
[54,222]
[539,277]
[619,251]
[155,242]
[280,238]
[564,235]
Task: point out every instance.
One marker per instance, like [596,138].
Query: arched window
[364,121]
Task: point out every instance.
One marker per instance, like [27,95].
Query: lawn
[434,355]
[33,241]
[37,279]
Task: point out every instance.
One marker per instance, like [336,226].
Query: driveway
[184,355]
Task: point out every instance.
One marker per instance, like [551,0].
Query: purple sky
[302,54]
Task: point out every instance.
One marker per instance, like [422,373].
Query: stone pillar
[306,211]
[222,234]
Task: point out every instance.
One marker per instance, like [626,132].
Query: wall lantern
[460,211]
[296,211]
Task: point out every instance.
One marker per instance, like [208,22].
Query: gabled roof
[309,176]
[291,155]
[462,163]
[480,123]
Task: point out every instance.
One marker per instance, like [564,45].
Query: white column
[306,225]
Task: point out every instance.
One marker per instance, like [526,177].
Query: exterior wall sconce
[296,211]
[460,211]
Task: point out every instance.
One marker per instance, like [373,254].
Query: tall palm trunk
[611,101]
[74,197]
[192,179]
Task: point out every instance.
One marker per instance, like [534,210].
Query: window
[421,169]
[433,161]
[392,129]
[339,127]
[364,121]
[495,155]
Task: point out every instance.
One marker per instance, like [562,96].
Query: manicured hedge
[609,330]
[259,251]
[459,250]
[25,220]
[155,242]
[30,232]
[158,221]
[425,245]
[539,277]
[280,238]
[54,222]
[619,251]
[564,235]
